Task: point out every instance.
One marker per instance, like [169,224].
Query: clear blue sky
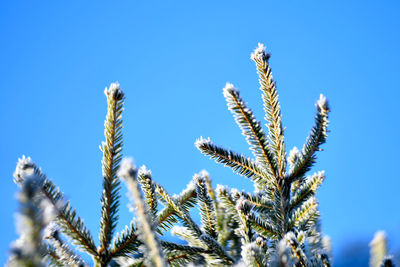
[173,59]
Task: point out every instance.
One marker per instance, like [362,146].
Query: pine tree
[277,225]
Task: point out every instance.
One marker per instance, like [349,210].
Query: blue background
[172,59]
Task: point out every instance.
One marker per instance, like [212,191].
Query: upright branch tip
[204,173]
[24,169]
[114,91]
[322,103]
[143,171]
[259,53]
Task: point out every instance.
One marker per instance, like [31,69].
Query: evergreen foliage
[277,225]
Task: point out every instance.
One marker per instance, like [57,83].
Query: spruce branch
[316,138]
[243,208]
[210,189]
[178,255]
[111,148]
[52,257]
[218,250]
[125,243]
[60,250]
[188,221]
[177,259]
[229,218]
[170,246]
[239,163]
[28,249]
[251,129]
[307,189]
[168,216]
[149,189]
[271,106]
[226,199]
[187,234]
[295,248]
[262,227]
[128,172]
[302,214]
[293,159]
[207,208]
[70,224]
[192,232]
[253,255]
[277,225]
[259,203]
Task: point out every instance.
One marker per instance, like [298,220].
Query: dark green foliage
[284,205]
[277,225]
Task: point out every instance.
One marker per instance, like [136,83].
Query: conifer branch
[207,211]
[59,249]
[180,212]
[219,211]
[111,149]
[306,189]
[194,230]
[277,225]
[178,255]
[239,163]
[243,209]
[52,257]
[303,213]
[126,242]
[251,129]
[170,246]
[259,204]
[253,256]
[271,106]
[28,249]
[187,234]
[179,259]
[296,250]
[149,189]
[217,249]
[316,138]
[128,173]
[262,227]
[210,189]
[70,224]
[167,216]
[227,200]
[229,218]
